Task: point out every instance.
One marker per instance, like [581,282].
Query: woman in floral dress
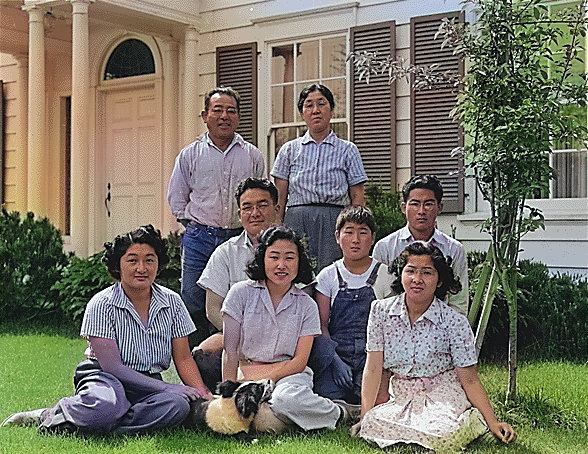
[437,400]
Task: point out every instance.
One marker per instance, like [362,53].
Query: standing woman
[134,328]
[317,175]
[269,326]
[438,400]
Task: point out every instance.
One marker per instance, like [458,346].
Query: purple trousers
[103,405]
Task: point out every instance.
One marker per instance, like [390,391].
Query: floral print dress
[428,405]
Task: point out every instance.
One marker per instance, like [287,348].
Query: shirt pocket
[288,336]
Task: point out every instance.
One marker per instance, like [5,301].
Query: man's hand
[342,375]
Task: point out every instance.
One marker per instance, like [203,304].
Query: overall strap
[374,274]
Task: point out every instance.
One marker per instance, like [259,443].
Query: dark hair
[430,182]
[222,91]
[256,268]
[256,183]
[315,87]
[145,234]
[358,215]
[449,282]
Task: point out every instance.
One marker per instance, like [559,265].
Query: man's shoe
[24,418]
[349,413]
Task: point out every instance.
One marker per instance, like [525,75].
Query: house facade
[99,96]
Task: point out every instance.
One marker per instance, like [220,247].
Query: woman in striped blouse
[133,328]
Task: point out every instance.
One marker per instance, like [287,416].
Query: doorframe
[150,81]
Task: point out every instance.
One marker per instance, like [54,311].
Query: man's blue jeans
[198,244]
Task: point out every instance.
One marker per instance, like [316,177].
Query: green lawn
[36,370]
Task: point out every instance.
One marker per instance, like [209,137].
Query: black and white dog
[234,409]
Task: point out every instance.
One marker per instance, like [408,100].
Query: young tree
[520,94]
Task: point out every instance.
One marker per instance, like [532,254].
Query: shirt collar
[237,139]
[436,239]
[121,300]
[433,313]
[330,139]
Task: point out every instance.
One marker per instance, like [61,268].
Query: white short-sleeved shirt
[439,340]
[269,335]
[390,247]
[111,315]
[327,281]
[227,265]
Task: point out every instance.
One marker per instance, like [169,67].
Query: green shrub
[552,314]
[80,280]
[170,276]
[31,259]
[385,206]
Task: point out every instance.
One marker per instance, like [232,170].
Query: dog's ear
[227,388]
[247,401]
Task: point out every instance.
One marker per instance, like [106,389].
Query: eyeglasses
[219,110]
[248,209]
[320,104]
[427,205]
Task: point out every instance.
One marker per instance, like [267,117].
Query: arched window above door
[130,58]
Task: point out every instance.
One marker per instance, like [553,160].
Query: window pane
[333,57]
[130,58]
[283,135]
[340,129]
[338,87]
[283,104]
[283,64]
[307,61]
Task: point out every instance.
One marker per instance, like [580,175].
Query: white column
[22,67]
[36,152]
[80,101]
[192,107]
[170,133]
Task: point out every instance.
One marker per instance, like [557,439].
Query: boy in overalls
[344,292]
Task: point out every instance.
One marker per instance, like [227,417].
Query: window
[130,58]
[569,158]
[296,65]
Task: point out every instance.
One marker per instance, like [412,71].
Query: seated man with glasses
[421,205]
[201,190]
[257,199]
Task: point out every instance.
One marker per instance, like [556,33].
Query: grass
[36,367]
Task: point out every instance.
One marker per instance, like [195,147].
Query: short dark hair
[315,87]
[430,182]
[222,91]
[449,282]
[358,215]
[145,234]
[256,183]
[256,268]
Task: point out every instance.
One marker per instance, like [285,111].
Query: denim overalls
[348,328]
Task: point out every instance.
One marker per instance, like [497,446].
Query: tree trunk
[509,285]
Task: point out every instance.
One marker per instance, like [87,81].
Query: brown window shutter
[433,133]
[373,107]
[2,135]
[236,67]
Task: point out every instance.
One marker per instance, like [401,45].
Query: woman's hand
[503,431]
[191,393]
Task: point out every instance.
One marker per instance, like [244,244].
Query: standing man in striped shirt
[317,175]
[201,191]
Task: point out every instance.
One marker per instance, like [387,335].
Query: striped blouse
[111,315]
[319,172]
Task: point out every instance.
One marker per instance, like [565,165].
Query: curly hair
[145,234]
[449,282]
[256,268]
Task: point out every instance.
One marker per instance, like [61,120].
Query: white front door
[133,161]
